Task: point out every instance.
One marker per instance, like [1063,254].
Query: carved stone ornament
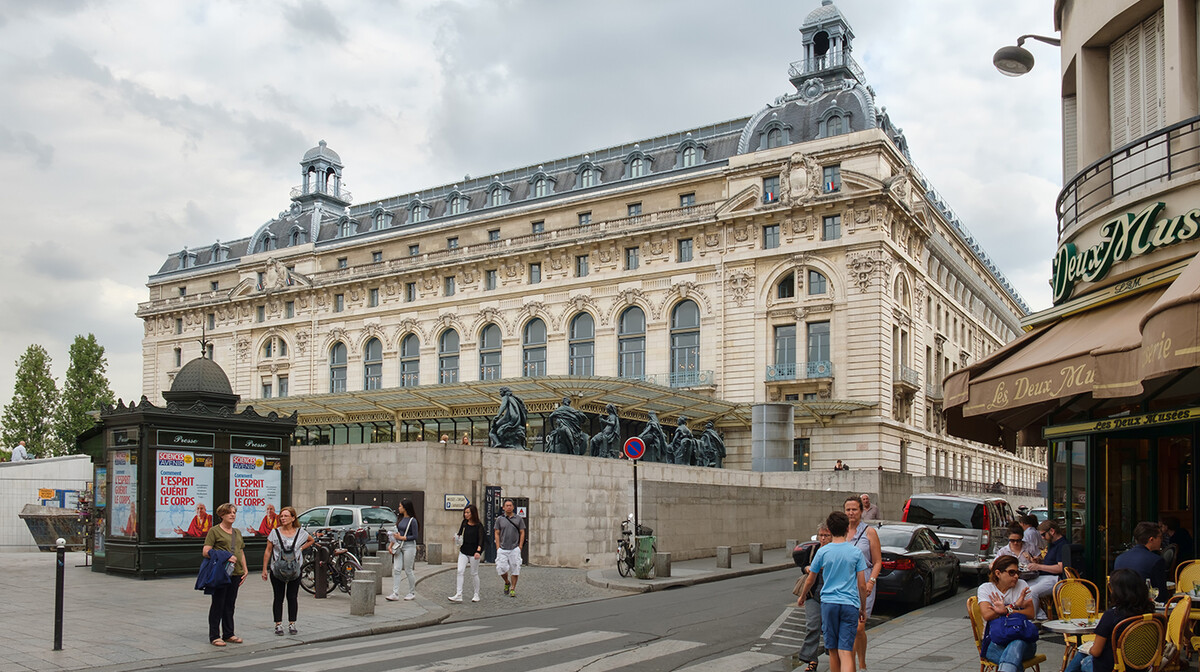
[712,239]
[275,276]
[243,349]
[741,233]
[657,247]
[302,341]
[740,284]
[801,313]
[865,265]
[812,89]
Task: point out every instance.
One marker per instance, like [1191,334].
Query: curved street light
[1016,61]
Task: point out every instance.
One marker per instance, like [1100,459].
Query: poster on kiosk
[254,483]
[183,493]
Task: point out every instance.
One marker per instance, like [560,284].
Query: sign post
[635,448]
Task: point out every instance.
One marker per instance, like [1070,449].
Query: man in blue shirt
[1049,568]
[843,568]
[1144,558]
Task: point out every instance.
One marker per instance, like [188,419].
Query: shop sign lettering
[1027,389]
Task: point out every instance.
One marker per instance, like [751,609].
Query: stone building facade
[794,256]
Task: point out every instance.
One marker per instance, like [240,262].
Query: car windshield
[947,512]
[378,516]
[890,536]
[316,517]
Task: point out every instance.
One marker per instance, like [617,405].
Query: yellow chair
[1140,645]
[1187,575]
[1071,573]
[1070,601]
[1178,626]
[977,626]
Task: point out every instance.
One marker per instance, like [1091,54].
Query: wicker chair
[1071,573]
[977,626]
[1140,645]
[1070,601]
[1178,634]
[1187,575]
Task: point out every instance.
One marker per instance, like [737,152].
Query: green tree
[85,388]
[30,413]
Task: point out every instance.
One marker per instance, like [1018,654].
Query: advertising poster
[255,488]
[124,494]
[183,494]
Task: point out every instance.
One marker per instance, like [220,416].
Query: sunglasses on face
[1014,539]
[1012,572]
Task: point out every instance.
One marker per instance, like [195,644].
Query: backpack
[287,567]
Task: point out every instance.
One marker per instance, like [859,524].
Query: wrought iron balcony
[340,193]
[934,391]
[820,368]
[907,376]
[682,379]
[781,372]
[828,61]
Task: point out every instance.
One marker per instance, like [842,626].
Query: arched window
[582,345]
[774,138]
[587,178]
[379,221]
[418,214]
[337,368]
[458,205]
[833,126]
[298,236]
[631,344]
[786,288]
[268,349]
[497,196]
[637,167]
[685,344]
[345,228]
[410,361]
[817,284]
[448,357]
[274,347]
[282,347]
[534,351]
[489,353]
[373,365]
[689,157]
[265,243]
[539,187]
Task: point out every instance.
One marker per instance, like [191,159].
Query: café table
[1068,627]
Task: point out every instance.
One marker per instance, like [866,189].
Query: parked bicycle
[340,567]
[627,552]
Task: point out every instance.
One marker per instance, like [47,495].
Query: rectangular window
[831,227]
[831,179]
[343,262]
[179,325]
[685,250]
[260,313]
[372,298]
[535,273]
[817,284]
[214,286]
[585,218]
[770,189]
[494,234]
[632,259]
[687,200]
[633,209]
[801,454]
[183,291]
[489,279]
[289,309]
[339,303]
[178,357]
[266,390]
[770,236]
[283,386]
[581,266]
[448,286]
[818,347]
[1136,85]
[537,227]
[410,292]
[414,250]
[209,350]
[212,321]
[376,256]
[785,346]
[262,279]
[452,243]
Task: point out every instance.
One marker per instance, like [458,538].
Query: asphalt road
[741,624]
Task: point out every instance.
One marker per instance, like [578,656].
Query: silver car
[343,517]
[975,528]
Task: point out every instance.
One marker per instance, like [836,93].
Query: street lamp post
[1016,61]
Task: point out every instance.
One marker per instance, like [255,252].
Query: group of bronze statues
[566,435]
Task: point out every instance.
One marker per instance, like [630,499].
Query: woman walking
[1006,593]
[866,539]
[1127,597]
[289,541]
[404,550]
[469,550]
[225,537]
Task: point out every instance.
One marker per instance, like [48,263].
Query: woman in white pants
[404,551]
[470,549]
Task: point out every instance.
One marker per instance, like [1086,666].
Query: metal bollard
[61,552]
[322,577]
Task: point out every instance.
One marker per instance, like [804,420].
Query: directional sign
[456,502]
[635,448]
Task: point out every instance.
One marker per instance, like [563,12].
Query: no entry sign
[635,448]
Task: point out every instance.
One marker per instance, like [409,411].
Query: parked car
[917,565]
[365,521]
[973,527]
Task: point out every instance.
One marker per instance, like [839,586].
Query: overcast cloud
[130,130]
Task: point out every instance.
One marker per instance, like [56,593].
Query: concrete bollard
[362,593]
[376,565]
[433,554]
[756,554]
[724,557]
[662,565]
[790,545]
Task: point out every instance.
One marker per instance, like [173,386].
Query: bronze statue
[683,444]
[655,439]
[508,427]
[712,447]
[607,442]
[566,434]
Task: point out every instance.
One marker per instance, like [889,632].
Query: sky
[130,129]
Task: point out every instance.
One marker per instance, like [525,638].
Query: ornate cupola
[321,174]
[827,38]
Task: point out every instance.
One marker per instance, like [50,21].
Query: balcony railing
[909,376]
[781,372]
[934,391]
[1159,156]
[828,61]
[683,379]
[821,368]
[340,193]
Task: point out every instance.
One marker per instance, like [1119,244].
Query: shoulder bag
[1004,629]
[393,545]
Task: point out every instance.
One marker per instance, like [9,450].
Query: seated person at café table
[1144,558]
[1050,567]
[1016,545]
[1180,537]
[1033,541]
[1127,598]
[1004,593]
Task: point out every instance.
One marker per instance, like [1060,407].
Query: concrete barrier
[433,554]
[362,593]
[790,544]
[376,564]
[756,557]
[662,565]
[724,557]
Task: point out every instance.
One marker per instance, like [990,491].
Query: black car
[916,565]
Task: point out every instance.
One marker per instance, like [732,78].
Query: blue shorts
[840,624]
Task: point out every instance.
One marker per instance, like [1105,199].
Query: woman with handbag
[1010,637]
[281,565]
[225,537]
[403,548]
[1128,597]
[470,547]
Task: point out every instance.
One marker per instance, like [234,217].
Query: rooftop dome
[823,13]
[202,380]
[322,151]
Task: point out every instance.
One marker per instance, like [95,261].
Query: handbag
[393,545]
[1010,627]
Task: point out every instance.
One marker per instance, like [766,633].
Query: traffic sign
[635,448]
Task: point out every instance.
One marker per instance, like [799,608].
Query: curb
[596,578]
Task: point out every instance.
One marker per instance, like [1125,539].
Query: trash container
[643,561]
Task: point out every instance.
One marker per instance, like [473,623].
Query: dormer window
[587,178]
[219,253]
[775,134]
[497,193]
[496,197]
[541,184]
[774,138]
[834,121]
[689,153]
[187,259]
[265,242]
[458,205]
[689,157]
[345,227]
[380,219]
[297,236]
[418,211]
[539,187]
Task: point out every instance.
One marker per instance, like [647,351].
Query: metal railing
[934,391]
[682,379]
[827,61]
[342,194]
[948,484]
[907,375]
[781,371]
[821,368]
[1157,157]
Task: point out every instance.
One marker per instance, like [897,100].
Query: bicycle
[626,553]
[340,567]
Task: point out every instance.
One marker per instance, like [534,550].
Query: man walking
[510,537]
[843,596]
[20,453]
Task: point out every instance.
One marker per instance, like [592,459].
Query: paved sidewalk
[691,572]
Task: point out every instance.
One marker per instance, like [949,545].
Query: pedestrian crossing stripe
[492,658]
[747,660]
[417,649]
[637,655]
[356,645]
